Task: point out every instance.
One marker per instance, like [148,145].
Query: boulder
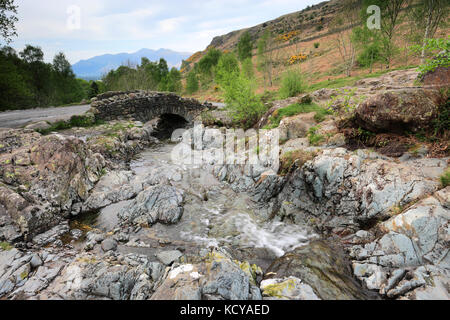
[108,277]
[296,126]
[410,258]
[399,110]
[41,125]
[160,203]
[169,257]
[113,187]
[217,277]
[109,245]
[317,271]
[287,289]
[46,178]
[437,79]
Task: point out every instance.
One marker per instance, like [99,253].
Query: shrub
[244,106]
[316,45]
[292,84]
[441,47]
[75,121]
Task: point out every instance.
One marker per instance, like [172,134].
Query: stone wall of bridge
[144,106]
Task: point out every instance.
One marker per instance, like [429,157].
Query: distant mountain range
[96,67]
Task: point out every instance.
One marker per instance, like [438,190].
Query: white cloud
[112,26]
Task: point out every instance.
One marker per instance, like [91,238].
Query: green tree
[207,64]
[163,68]
[265,56]
[172,82]
[192,85]
[8,19]
[14,87]
[247,68]
[227,64]
[32,54]
[390,19]
[427,16]
[244,106]
[62,66]
[93,90]
[245,46]
[68,89]
[369,45]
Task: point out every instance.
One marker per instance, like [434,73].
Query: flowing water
[213,213]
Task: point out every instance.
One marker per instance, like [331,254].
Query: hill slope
[95,67]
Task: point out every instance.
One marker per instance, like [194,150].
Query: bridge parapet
[144,106]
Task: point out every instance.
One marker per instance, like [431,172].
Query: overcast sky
[115,26]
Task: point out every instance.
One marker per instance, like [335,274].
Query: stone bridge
[144,106]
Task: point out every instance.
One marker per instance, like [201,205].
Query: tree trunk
[427,30]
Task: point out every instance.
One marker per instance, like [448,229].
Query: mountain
[96,67]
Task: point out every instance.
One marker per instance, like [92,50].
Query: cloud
[113,26]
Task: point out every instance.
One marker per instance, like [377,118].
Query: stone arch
[144,106]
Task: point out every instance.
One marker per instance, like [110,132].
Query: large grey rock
[109,245]
[41,125]
[216,278]
[343,192]
[287,289]
[45,179]
[322,267]
[169,257]
[93,277]
[162,204]
[411,257]
[114,187]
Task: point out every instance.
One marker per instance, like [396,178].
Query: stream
[214,215]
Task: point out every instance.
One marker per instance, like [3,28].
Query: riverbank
[111,212]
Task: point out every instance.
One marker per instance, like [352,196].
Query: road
[20,118]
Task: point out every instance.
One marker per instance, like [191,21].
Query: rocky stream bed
[108,213]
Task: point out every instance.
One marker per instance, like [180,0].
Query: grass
[445,178]
[300,157]
[295,109]
[74,122]
[350,81]
[6,246]
[315,138]
[292,84]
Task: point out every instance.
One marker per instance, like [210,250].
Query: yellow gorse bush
[287,36]
[195,56]
[297,58]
